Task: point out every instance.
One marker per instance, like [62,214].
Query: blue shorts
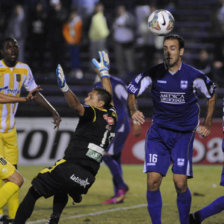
[163,147]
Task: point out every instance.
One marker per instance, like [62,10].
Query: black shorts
[63,177]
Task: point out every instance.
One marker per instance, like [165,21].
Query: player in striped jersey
[14,76]
[174,87]
[218,204]
[8,173]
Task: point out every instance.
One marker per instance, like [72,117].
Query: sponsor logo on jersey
[3,161]
[78,180]
[109,120]
[162,81]
[138,78]
[18,77]
[183,84]
[3,88]
[172,98]
[132,88]
[180,161]
[13,91]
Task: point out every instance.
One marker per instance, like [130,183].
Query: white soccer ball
[161,22]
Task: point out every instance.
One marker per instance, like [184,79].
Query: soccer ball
[161,22]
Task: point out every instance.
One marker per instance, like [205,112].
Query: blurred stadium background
[38,25]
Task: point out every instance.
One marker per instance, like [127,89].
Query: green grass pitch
[204,188]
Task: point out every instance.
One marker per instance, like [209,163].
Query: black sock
[26,206]
[59,202]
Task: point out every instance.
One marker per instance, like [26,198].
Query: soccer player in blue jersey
[217,205]
[173,86]
[112,157]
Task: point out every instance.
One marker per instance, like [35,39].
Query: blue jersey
[120,96]
[174,95]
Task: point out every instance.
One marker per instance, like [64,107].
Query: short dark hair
[6,40]
[104,95]
[175,37]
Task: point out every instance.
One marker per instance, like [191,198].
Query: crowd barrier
[40,144]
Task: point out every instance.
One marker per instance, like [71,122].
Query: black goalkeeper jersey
[92,136]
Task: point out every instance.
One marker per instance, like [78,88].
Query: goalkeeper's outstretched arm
[102,70]
[70,97]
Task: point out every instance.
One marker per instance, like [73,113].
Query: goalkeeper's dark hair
[175,37]
[105,96]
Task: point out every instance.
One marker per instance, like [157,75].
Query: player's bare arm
[102,69]
[136,115]
[11,99]
[40,99]
[70,97]
[137,129]
[74,102]
[105,82]
[15,99]
[205,129]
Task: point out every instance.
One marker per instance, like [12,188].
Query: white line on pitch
[92,213]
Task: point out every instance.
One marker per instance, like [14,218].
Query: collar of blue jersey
[172,72]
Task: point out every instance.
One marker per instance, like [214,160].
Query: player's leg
[26,206]
[117,147]
[121,184]
[114,164]
[215,207]
[46,184]
[13,180]
[154,198]
[182,168]
[113,161]
[59,203]
[115,186]
[13,204]
[157,161]
[11,155]
[183,197]
[120,187]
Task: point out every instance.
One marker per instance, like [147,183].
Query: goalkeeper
[75,173]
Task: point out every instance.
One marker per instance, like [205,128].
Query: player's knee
[153,184]
[181,186]
[18,179]
[153,181]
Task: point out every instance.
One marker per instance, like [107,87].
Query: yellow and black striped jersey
[12,79]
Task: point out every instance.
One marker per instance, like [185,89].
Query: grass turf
[204,188]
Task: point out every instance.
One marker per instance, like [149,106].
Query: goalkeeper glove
[61,79]
[103,65]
